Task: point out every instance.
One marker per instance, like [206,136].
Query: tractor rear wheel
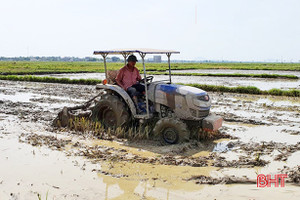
[171,130]
[111,111]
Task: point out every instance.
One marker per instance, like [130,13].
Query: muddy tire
[171,131]
[111,111]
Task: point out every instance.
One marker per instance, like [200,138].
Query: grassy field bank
[213,88]
[75,67]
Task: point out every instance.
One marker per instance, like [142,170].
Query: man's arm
[139,76]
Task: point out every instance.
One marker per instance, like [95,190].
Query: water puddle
[18,97]
[222,147]
[41,100]
[257,133]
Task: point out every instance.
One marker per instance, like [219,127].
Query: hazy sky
[243,30]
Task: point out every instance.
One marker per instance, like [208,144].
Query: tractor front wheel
[171,130]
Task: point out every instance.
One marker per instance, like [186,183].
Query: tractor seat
[111,76]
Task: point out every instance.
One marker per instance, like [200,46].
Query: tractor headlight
[202,101]
[203,98]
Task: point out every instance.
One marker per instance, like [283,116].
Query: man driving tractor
[128,78]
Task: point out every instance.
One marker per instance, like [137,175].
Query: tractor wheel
[171,130]
[111,111]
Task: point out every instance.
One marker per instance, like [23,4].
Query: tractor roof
[135,50]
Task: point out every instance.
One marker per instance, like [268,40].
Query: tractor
[177,110]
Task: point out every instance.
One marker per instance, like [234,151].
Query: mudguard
[122,93]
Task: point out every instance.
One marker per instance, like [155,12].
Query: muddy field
[261,135]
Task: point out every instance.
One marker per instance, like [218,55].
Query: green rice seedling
[71,123]
[203,135]
[83,125]
[109,133]
[40,196]
[89,125]
[139,132]
[58,123]
[51,80]
[257,158]
[228,75]
[247,90]
[294,93]
[131,132]
[76,124]
[120,132]
[147,131]
[96,128]
[98,131]
[276,92]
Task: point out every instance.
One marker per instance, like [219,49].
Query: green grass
[50,67]
[212,88]
[23,68]
[241,66]
[247,90]
[229,75]
[50,79]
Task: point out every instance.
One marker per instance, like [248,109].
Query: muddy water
[264,84]
[260,118]
[26,170]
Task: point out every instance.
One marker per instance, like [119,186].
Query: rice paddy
[21,68]
[212,88]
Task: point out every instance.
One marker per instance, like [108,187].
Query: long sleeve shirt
[128,77]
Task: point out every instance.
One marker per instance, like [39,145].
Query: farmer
[128,78]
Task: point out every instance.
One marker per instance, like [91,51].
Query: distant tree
[51,58]
[115,59]
[90,59]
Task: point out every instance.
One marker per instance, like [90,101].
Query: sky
[239,30]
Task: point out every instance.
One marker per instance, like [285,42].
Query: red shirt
[127,77]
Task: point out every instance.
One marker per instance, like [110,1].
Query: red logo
[266,181]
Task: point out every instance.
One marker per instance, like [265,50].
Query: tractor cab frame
[125,53]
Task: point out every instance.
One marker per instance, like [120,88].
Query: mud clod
[101,153]
[41,140]
[242,162]
[293,174]
[223,180]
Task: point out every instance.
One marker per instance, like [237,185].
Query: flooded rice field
[261,135]
[236,71]
[261,83]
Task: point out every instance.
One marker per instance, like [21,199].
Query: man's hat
[132,58]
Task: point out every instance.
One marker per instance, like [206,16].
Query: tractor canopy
[135,50]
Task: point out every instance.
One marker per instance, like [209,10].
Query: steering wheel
[148,79]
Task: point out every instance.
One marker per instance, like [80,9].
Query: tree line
[58,58]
